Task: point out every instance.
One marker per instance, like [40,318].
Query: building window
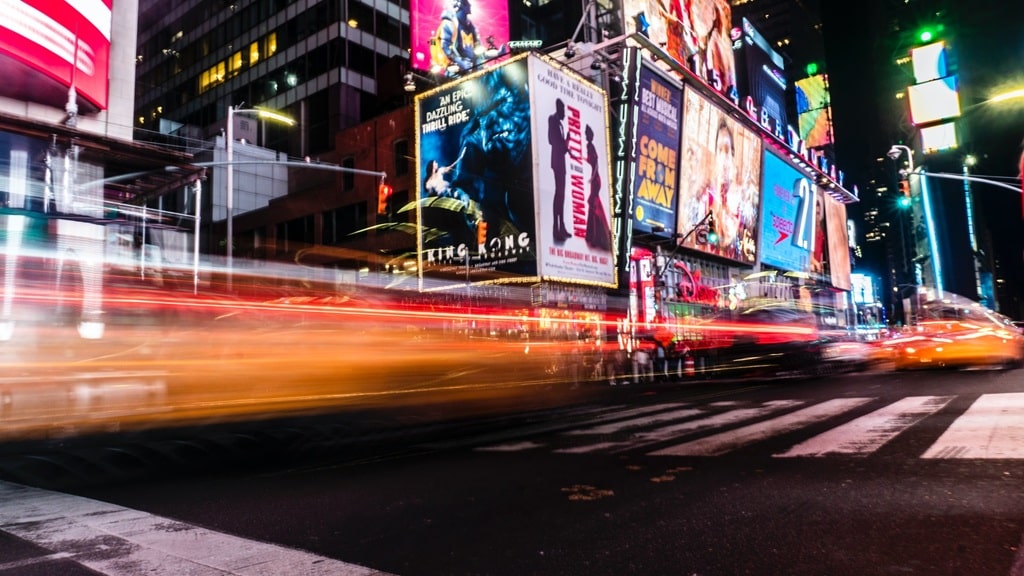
[341,223]
[348,178]
[401,157]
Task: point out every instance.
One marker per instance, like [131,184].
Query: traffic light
[904,194]
[712,231]
[481,232]
[383,195]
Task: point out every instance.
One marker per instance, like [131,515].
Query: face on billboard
[49,37]
[456,33]
[656,164]
[787,223]
[694,32]
[721,173]
[475,173]
[572,175]
[838,243]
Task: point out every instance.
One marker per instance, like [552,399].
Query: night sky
[986,45]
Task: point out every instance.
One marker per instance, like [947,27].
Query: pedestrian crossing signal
[383,196]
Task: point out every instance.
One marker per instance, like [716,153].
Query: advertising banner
[655,164]
[819,236]
[52,37]
[697,33]
[572,176]
[475,199]
[456,34]
[761,79]
[721,173]
[787,224]
[838,244]
[814,111]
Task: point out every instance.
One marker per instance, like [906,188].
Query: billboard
[475,166]
[655,166]
[572,176]
[513,166]
[697,33]
[721,173]
[838,243]
[45,40]
[814,114]
[456,33]
[761,78]
[787,224]
[934,100]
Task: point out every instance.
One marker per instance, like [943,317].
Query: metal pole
[229,181]
[198,184]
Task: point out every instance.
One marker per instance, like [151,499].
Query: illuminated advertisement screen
[838,243]
[813,111]
[934,100]
[863,289]
[49,38]
[721,173]
[572,176]
[761,76]
[455,33]
[929,61]
[787,223]
[656,163]
[694,32]
[475,187]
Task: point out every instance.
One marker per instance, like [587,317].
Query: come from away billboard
[655,166]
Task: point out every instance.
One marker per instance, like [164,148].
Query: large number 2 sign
[803,225]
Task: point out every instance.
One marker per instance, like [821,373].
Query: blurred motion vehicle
[761,339]
[956,332]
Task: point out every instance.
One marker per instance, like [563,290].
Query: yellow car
[959,343]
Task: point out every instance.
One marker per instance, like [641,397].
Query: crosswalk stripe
[118,541]
[993,427]
[726,441]
[637,422]
[868,433]
[676,430]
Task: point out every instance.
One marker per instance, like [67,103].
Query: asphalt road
[908,473]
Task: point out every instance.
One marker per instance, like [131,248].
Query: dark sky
[985,40]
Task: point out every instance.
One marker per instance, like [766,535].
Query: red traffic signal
[481,232]
[383,195]
[905,188]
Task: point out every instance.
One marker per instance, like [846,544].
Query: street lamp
[229,153]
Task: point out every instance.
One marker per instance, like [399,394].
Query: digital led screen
[572,176]
[863,289]
[48,39]
[934,100]
[456,33]
[656,163]
[697,33]
[939,137]
[838,243]
[813,111]
[761,76]
[929,62]
[720,174]
[787,215]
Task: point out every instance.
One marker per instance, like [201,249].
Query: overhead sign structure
[721,174]
[514,177]
[55,45]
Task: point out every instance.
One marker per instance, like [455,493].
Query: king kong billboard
[513,177]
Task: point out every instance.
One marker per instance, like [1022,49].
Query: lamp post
[229,154]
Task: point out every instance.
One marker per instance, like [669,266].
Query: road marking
[993,427]
[869,433]
[118,541]
[636,422]
[674,431]
[726,441]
